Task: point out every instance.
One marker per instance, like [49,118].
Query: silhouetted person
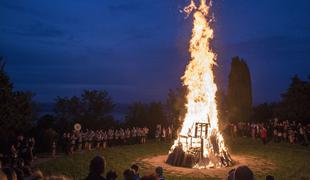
[159,173]
[129,175]
[243,173]
[135,169]
[96,168]
[111,175]
[27,171]
[264,135]
[231,174]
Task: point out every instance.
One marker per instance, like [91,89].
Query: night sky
[137,49]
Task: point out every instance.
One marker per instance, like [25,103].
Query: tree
[156,114]
[96,104]
[140,114]
[45,122]
[221,101]
[16,107]
[137,114]
[263,112]
[295,102]
[5,85]
[175,107]
[92,109]
[239,93]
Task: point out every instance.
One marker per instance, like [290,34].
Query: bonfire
[200,143]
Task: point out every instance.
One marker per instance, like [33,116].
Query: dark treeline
[16,108]
[93,108]
[294,104]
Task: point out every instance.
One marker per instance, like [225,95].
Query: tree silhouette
[295,103]
[137,115]
[92,109]
[16,107]
[149,115]
[175,106]
[239,93]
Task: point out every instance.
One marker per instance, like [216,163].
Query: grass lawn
[291,161]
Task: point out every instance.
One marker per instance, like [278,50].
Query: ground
[282,160]
[255,163]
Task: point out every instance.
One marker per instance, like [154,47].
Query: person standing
[127,135]
[135,169]
[54,149]
[264,135]
[169,133]
[116,137]
[163,134]
[134,136]
[96,168]
[235,130]
[105,139]
[253,129]
[13,153]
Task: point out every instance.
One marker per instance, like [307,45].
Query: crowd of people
[131,173]
[97,166]
[97,169]
[274,130]
[163,133]
[16,161]
[89,139]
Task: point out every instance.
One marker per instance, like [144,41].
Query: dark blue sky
[137,49]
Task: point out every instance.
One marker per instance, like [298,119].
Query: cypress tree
[239,93]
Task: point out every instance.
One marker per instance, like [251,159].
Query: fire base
[202,151]
[193,159]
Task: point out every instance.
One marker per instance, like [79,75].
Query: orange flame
[199,79]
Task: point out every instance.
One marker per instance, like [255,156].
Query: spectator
[264,135]
[27,171]
[96,168]
[5,163]
[135,169]
[111,175]
[159,173]
[231,174]
[129,175]
[17,167]
[54,149]
[243,173]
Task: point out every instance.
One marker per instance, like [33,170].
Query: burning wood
[199,143]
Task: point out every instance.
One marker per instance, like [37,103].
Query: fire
[201,104]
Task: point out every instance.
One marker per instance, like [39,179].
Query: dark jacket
[94,177]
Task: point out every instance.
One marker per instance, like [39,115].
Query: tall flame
[199,79]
